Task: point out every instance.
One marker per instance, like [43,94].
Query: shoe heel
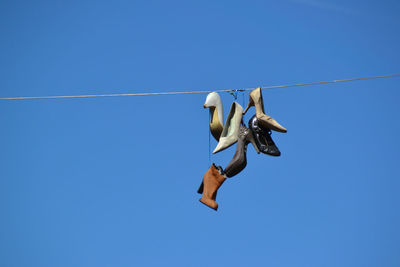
[253,142]
[201,188]
[251,103]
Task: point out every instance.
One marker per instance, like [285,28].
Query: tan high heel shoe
[255,99]
[212,180]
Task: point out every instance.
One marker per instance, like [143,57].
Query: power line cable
[199,92]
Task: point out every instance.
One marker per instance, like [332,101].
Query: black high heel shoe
[239,160]
[263,139]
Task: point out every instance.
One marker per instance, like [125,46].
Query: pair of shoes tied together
[226,134]
[234,131]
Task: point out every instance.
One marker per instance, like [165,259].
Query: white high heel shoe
[230,133]
[214,103]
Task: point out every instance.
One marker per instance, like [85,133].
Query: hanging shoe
[263,138]
[212,180]
[255,99]
[214,103]
[230,133]
[239,160]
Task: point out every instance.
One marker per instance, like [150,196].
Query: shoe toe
[224,142]
[273,151]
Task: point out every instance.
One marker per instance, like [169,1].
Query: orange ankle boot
[212,180]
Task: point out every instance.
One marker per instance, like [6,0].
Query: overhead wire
[198,92]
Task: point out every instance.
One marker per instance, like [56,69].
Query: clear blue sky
[112,181]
